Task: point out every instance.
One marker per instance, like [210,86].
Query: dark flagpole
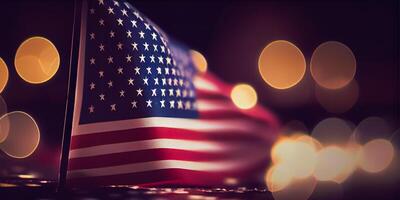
[70,101]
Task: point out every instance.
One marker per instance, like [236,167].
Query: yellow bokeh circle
[244,96]
[199,61]
[37,60]
[3,75]
[281,64]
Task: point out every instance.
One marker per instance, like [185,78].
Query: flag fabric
[144,116]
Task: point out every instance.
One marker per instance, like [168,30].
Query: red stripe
[156,154]
[81,141]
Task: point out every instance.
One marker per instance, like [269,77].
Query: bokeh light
[4,125]
[333,65]
[199,61]
[332,131]
[332,161]
[281,64]
[37,60]
[278,177]
[372,128]
[244,96]
[23,137]
[339,100]
[376,155]
[3,75]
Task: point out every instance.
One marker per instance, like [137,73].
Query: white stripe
[237,125]
[206,85]
[147,144]
[215,105]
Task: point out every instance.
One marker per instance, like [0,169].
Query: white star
[122,93]
[113,107]
[173,71]
[158,70]
[112,34]
[92,36]
[178,92]
[149,103]
[171,92]
[128,58]
[120,22]
[110,60]
[92,11]
[101,47]
[155,47]
[146,81]
[116,3]
[169,81]
[146,46]
[152,59]
[184,93]
[162,49]
[162,103]
[141,33]
[187,105]
[148,70]
[154,92]
[142,57]
[134,104]
[168,60]
[92,86]
[124,12]
[163,92]
[101,74]
[147,26]
[137,70]
[154,35]
[101,2]
[101,22]
[180,105]
[110,10]
[120,70]
[130,81]
[155,81]
[134,23]
[110,83]
[129,34]
[134,46]
[139,92]
[92,61]
[102,97]
[119,46]
[171,104]
[91,109]
[164,81]
[175,82]
[160,59]
[166,71]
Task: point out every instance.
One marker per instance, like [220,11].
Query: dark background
[231,35]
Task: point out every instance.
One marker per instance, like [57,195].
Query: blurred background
[337,80]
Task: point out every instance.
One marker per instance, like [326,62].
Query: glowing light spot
[278,177]
[281,64]
[23,137]
[332,161]
[231,181]
[26,176]
[199,61]
[339,100]
[5,185]
[376,155]
[3,75]
[37,60]
[298,154]
[332,131]
[333,65]
[244,96]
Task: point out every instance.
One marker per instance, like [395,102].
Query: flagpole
[69,110]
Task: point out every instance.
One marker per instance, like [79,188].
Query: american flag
[143,115]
